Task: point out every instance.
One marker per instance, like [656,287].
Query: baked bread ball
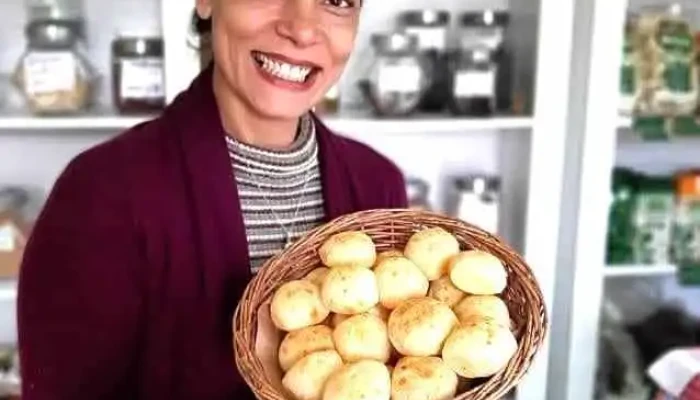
[343,249]
[388,254]
[307,378]
[399,279]
[478,272]
[350,290]
[483,306]
[299,343]
[362,337]
[378,311]
[445,291]
[317,275]
[419,327]
[423,378]
[363,380]
[297,304]
[479,348]
[431,250]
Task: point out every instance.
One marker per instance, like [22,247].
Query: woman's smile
[285,72]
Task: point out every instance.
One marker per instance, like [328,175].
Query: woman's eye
[341,3]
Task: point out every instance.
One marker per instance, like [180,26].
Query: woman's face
[279,57]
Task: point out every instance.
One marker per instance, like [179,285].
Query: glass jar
[417,191]
[431,27]
[53,74]
[138,75]
[475,199]
[397,78]
[330,103]
[488,28]
[473,83]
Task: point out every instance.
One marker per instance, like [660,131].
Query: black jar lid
[394,42]
[485,18]
[427,17]
[140,46]
[51,34]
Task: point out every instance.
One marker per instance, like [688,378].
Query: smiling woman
[134,299]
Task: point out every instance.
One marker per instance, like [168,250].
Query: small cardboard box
[13,238]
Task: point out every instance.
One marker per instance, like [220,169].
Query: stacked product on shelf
[655,220]
[660,72]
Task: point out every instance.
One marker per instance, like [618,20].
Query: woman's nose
[300,22]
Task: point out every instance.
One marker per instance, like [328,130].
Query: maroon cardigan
[138,259]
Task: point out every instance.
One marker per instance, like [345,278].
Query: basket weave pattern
[389,229]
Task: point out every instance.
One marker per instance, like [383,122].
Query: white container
[476,199]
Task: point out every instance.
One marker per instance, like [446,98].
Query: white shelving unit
[598,141]
[637,271]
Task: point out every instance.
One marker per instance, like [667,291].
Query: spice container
[473,83]
[487,29]
[431,28]
[397,77]
[138,83]
[475,199]
[667,67]
[53,74]
[417,191]
[69,12]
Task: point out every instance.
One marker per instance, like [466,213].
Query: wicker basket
[388,228]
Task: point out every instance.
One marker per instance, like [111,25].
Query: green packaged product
[620,219]
[653,218]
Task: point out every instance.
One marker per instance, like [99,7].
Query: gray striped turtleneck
[280,192]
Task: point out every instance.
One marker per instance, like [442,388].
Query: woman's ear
[204,9]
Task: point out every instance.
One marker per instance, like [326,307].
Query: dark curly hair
[200,25]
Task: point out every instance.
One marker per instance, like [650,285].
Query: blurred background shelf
[356,124]
[97,120]
[614,271]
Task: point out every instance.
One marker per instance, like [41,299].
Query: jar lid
[141,45]
[394,41]
[485,18]
[51,32]
[428,17]
[478,183]
[416,188]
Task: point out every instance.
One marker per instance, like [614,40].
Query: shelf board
[91,121]
[363,124]
[349,123]
[614,271]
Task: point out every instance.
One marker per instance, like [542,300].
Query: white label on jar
[428,38]
[399,78]
[478,212]
[142,78]
[49,71]
[475,84]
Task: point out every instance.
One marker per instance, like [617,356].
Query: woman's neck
[249,127]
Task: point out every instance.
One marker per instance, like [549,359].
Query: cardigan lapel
[219,223]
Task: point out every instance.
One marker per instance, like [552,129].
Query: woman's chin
[281,106]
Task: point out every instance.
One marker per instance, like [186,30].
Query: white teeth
[283,70]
